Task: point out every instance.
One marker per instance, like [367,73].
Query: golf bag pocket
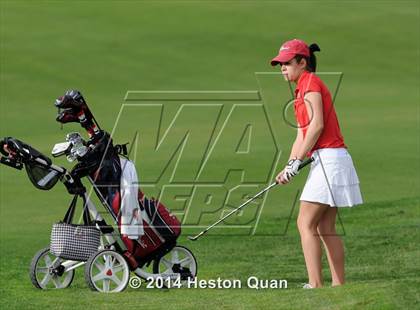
[161,219]
[74,242]
[146,244]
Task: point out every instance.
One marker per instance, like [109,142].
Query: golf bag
[147,227]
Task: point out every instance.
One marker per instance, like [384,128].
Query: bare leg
[310,214]
[333,245]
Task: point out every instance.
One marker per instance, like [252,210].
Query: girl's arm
[293,152]
[302,145]
[313,103]
[296,144]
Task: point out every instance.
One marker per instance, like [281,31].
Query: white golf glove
[292,169]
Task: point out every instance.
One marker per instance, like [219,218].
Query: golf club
[194,238]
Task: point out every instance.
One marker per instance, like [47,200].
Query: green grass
[382,269]
[107,48]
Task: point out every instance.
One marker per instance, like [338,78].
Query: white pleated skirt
[332,179]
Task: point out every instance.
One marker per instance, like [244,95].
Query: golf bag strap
[68,218]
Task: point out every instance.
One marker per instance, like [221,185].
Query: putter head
[194,238]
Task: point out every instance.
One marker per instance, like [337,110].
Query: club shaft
[238,208]
[302,165]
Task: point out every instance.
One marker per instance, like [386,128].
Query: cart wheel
[107,271]
[179,260]
[46,271]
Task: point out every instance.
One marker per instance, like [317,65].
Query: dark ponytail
[311,60]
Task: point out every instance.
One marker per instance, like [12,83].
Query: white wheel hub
[109,272]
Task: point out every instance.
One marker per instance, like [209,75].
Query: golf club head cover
[73,108]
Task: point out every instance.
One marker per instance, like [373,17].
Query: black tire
[90,266]
[34,269]
[156,263]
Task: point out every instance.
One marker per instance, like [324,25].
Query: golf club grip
[305,163]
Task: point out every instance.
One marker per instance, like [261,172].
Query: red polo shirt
[331,136]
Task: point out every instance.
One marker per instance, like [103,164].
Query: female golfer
[332,180]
